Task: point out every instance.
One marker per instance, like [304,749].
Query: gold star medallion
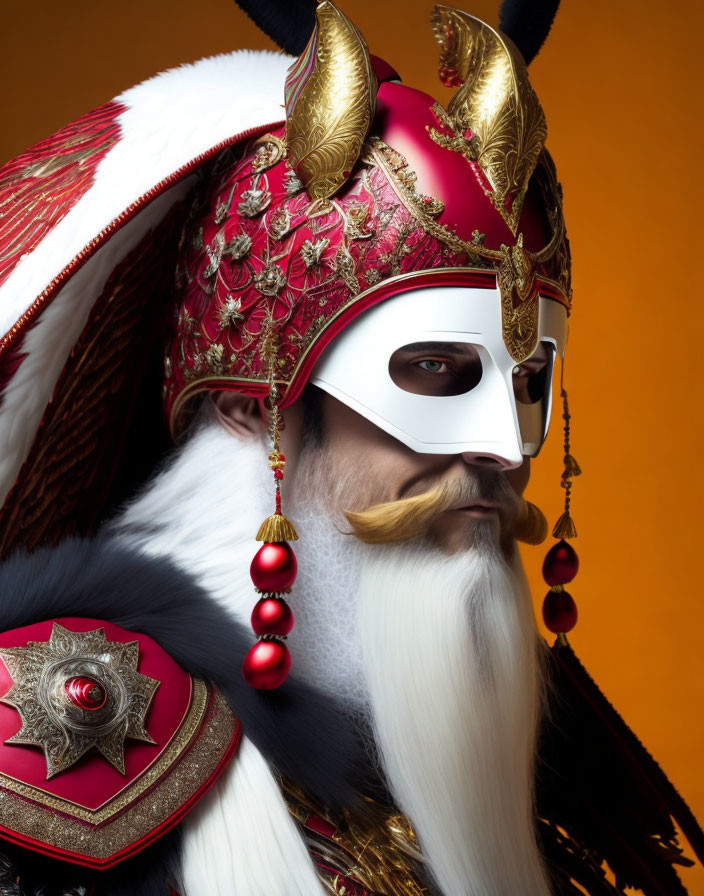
[77,691]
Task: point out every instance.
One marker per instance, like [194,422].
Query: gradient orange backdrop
[620,85]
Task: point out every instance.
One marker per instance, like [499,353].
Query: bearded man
[369,303]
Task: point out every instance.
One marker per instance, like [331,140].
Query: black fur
[303,733]
[527,23]
[152,872]
[289,23]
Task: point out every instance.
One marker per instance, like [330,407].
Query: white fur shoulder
[241,840]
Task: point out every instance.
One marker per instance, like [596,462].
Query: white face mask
[430,368]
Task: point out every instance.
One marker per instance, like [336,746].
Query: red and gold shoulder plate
[105,741]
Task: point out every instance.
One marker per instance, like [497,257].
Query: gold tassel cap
[277,528]
[565,527]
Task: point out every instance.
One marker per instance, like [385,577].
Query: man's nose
[495,462]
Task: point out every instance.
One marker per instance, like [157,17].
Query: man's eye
[436,368]
[432,365]
[529,369]
[530,381]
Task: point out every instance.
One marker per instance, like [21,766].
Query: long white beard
[450,653]
[439,652]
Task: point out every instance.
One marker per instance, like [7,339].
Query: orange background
[620,85]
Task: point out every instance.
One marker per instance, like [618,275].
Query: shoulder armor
[105,741]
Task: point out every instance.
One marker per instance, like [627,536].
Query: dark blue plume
[289,23]
[527,23]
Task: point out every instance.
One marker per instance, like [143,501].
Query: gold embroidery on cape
[330,103]
[377,848]
[495,117]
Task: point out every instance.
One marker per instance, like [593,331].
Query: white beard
[450,653]
[324,643]
[439,653]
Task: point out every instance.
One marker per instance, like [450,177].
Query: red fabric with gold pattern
[39,187]
[257,248]
[105,742]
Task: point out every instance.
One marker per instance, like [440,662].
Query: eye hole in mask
[436,368]
[531,386]
[532,378]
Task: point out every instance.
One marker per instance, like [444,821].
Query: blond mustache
[408,518]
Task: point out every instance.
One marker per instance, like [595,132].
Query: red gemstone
[559,612]
[278,474]
[561,564]
[86,693]
[272,616]
[274,567]
[267,665]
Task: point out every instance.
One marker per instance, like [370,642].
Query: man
[395,343]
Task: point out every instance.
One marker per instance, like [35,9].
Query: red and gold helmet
[280,232]
[371,188]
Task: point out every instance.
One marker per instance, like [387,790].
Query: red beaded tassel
[274,566]
[561,563]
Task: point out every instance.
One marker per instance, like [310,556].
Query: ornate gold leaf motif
[63,728]
[330,103]
[375,847]
[495,115]
[519,301]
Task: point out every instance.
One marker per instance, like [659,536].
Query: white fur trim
[449,649]
[218,555]
[168,121]
[241,840]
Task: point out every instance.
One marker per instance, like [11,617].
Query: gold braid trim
[377,848]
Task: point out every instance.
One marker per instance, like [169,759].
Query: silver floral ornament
[239,248]
[312,252]
[270,281]
[229,313]
[253,203]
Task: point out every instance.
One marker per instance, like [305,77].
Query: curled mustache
[407,518]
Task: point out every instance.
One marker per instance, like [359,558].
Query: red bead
[272,616]
[561,564]
[274,567]
[559,612]
[278,474]
[86,692]
[267,665]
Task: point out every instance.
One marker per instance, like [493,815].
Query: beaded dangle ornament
[274,566]
[561,563]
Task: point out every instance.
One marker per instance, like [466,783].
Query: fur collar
[304,734]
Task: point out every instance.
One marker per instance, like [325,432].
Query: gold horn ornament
[495,115]
[330,96]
